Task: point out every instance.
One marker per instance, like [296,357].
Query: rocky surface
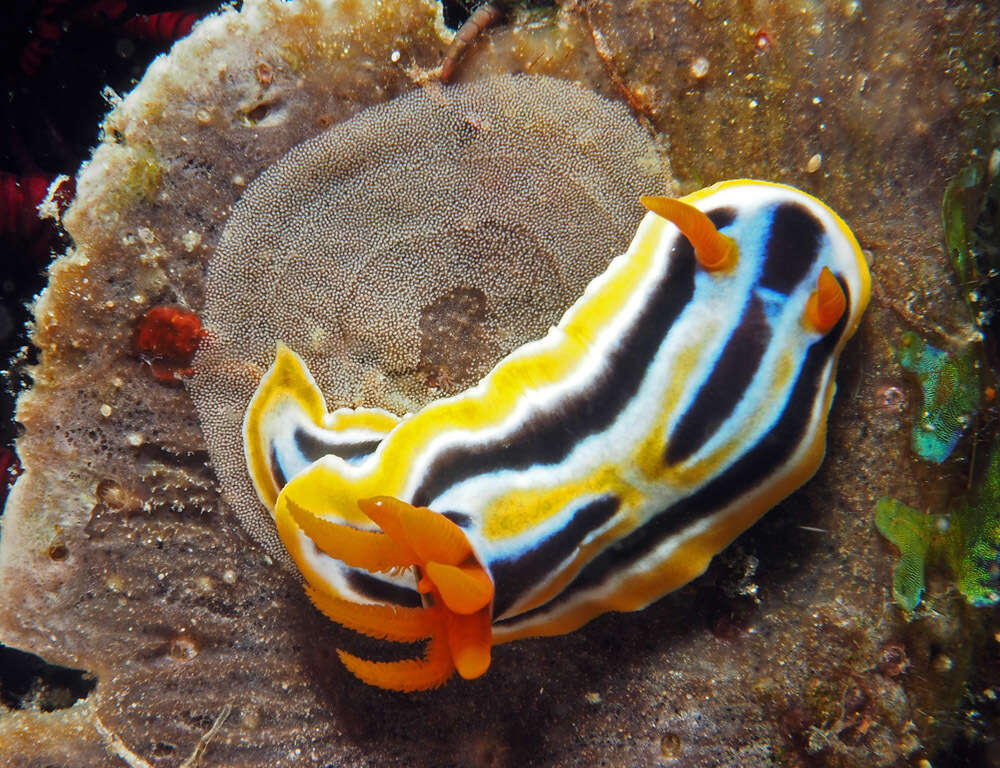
[119,556]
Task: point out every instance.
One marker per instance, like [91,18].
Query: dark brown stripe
[722,391]
[384,591]
[792,246]
[722,217]
[460,519]
[277,474]
[754,467]
[313,447]
[548,436]
[514,577]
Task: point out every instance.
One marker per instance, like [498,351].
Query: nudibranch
[595,469]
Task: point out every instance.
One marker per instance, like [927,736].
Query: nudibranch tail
[286,384]
[457,616]
[287,427]
[715,251]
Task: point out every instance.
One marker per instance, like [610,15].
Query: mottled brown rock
[774,657]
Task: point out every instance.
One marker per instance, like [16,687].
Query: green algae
[142,176]
[912,532]
[970,219]
[952,393]
[974,541]
[966,539]
[955,221]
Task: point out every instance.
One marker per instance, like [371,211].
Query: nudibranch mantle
[595,469]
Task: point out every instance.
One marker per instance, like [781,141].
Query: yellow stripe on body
[692,474]
[648,454]
[519,511]
[287,380]
[371,419]
[649,581]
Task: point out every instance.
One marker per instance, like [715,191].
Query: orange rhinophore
[714,250]
[827,303]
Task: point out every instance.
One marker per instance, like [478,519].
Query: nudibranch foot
[458,592]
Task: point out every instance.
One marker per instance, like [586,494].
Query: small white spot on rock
[942,663]
[318,339]
[191,240]
[135,439]
[699,67]
[105,410]
[814,163]
[114,582]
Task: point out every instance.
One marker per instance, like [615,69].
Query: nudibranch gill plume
[684,394]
